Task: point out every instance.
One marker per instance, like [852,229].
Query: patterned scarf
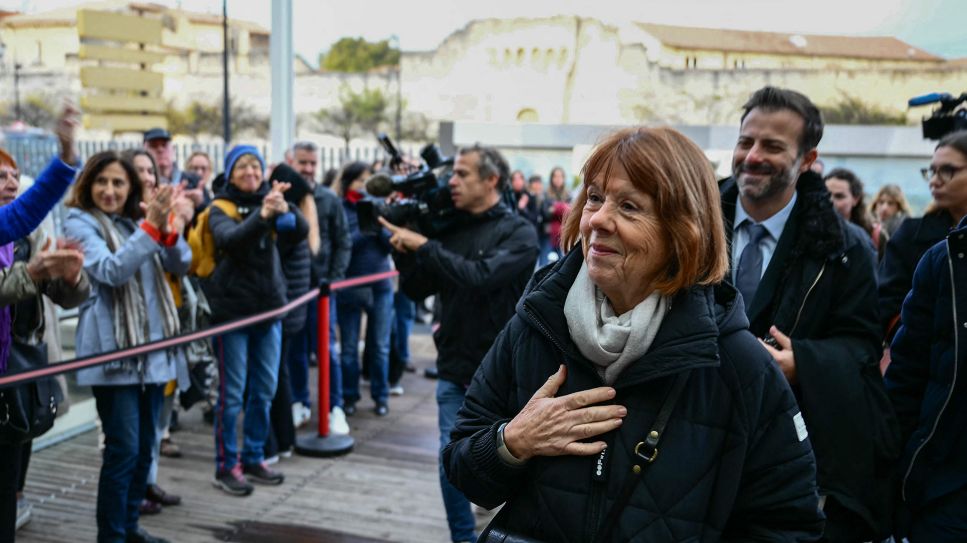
[129,308]
[6,260]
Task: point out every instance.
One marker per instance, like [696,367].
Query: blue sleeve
[24,215]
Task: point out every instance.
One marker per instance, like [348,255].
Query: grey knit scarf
[129,309]
[612,342]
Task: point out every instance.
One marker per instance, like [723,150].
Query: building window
[520,56]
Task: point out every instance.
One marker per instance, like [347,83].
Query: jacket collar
[816,229]
[688,337]
[935,225]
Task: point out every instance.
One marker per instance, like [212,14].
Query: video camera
[945,119]
[426,204]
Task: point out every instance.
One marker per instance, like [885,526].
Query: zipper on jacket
[546,332]
[936,422]
[596,497]
[806,299]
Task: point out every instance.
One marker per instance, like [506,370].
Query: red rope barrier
[167,343]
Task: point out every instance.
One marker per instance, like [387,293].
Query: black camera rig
[948,117]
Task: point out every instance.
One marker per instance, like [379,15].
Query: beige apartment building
[562,69]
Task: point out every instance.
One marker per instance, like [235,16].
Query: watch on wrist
[503,452]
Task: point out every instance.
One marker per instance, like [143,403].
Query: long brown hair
[673,170]
[81,198]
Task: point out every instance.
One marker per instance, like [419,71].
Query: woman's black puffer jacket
[248,276]
[295,255]
[734,462]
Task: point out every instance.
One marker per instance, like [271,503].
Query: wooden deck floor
[385,490]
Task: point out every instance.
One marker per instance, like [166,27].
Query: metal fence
[34,152]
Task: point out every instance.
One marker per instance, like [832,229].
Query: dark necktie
[750,263]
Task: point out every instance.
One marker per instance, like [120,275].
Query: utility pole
[16,89]
[226,99]
[399,91]
[283,78]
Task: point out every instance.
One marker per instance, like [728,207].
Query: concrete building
[579,70]
[563,70]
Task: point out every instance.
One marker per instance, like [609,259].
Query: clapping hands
[62,259]
[274,203]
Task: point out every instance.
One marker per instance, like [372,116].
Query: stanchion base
[323,446]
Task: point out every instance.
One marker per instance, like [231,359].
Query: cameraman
[479,269]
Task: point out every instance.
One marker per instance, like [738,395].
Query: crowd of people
[693,359]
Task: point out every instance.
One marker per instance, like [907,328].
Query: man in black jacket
[328,264]
[810,294]
[479,269]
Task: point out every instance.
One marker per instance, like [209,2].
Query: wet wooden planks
[387,489]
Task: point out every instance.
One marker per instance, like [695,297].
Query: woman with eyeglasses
[947,177]
[922,380]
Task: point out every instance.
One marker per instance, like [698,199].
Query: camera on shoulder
[946,118]
[424,204]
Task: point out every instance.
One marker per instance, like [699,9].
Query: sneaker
[25,511]
[300,414]
[233,482]
[396,390]
[261,473]
[381,410]
[349,408]
[272,460]
[286,453]
[337,422]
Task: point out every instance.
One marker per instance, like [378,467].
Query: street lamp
[399,88]
[16,89]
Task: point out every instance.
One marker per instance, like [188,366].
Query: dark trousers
[13,475]
[942,521]
[128,418]
[843,525]
[281,429]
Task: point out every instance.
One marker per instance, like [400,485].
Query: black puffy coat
[294,250]
[926,376]
[248,276]
[732,464]
[903,252]
[479,268]
[820,290]
[336,240]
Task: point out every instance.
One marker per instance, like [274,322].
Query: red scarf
[354,196]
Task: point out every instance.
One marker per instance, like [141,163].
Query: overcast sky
[935,25]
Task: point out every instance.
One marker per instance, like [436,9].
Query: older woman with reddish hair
[626,400]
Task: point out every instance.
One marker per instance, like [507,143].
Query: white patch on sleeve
[800,426]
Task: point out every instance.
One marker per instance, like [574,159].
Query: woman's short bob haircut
[670,168]
[81,194]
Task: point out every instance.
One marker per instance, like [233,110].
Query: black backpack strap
[645,454]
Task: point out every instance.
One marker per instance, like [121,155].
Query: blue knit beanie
[236,153]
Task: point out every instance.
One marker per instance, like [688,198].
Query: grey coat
[106,270]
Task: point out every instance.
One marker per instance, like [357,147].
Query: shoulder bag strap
[645,454]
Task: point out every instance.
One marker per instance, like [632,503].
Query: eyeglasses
[7,175]
[944,173]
